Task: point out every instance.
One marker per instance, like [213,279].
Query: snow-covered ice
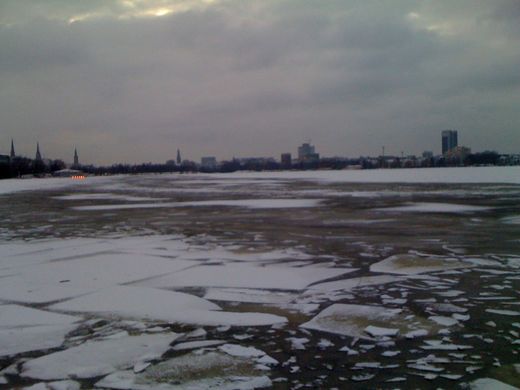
[96,358]
[376,331]
[406,264]
[490,384]
[236,275]
[353,320]
[206,370]
[24,329]
[56,280]
[153,304]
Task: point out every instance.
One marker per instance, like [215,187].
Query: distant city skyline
[305,152]
[134,81]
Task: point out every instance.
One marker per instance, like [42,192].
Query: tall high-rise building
[179,157]
[13,154]
[449,140]
[307,153]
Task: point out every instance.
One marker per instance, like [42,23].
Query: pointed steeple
[13,154]
[76,159]
[179,157]
[38,154]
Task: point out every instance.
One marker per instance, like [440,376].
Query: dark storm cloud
[256,78]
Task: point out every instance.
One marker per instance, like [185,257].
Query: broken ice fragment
[376,331]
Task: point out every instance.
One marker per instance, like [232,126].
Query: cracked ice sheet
[152,304]
[352,320]
[18,255]
[96,358]
[246,276]
[23,329]
[283,300]
[248,295]
[350,284]
[69,278]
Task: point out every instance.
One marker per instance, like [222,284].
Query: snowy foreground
[272,280]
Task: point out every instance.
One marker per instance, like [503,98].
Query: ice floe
[503,312]
[406,264]
[490,384]
[352,283]
[196,370]
[24,329]
[84,361]
[353,321]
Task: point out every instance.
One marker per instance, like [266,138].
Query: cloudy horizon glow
[135,80]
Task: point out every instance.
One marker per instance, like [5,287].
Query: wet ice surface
[277,280]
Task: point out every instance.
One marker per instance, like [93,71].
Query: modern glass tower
[449,140]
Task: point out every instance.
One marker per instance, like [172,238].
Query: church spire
[38,154]
[76,159]
[13,155]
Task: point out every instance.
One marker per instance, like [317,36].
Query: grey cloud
[257,78]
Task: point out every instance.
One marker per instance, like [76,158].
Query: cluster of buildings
[6,159]
[13,165]
[452,154]
[307,158]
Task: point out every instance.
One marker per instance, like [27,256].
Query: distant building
[449,140]
[286,160]
[458,153]
[179,160]
[76,158]
[4,159]
[307,153]
[208,163]
[38,156]
[427,154]
[13,154]
[68,173]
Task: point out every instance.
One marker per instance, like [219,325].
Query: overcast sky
[133,80]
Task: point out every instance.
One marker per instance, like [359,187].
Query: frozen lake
[326,279]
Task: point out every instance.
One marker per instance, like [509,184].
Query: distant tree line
[22,166]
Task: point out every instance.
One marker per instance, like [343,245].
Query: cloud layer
[132,81]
